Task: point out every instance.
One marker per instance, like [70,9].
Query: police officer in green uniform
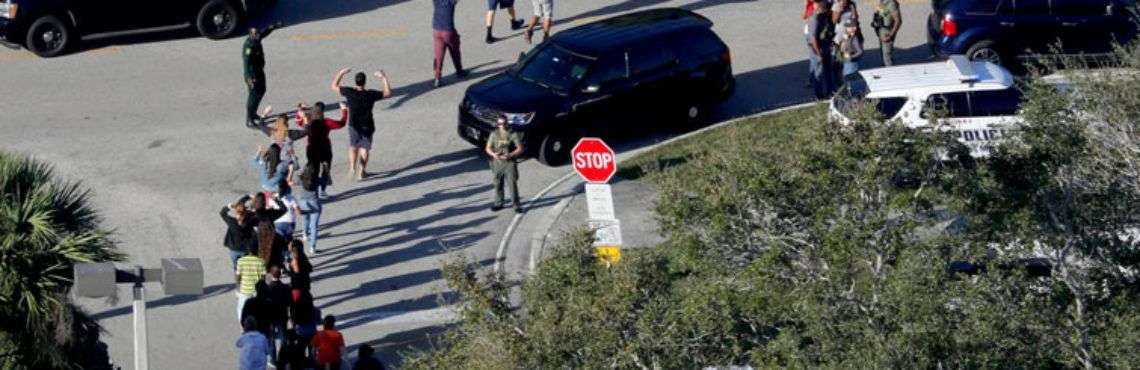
[253,58]
[504,146]
[887,21]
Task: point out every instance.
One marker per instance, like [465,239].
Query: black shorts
[359,140]
[500,4]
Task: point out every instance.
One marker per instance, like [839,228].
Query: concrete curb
[539,238]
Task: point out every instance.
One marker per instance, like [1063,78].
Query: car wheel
[218,19]
[48,36]
[985,50]
[555,149]
[693,113]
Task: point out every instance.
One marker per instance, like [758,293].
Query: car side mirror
[593,88]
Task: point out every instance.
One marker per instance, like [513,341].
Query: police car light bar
[964,67]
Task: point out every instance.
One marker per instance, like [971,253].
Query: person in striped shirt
[250,269]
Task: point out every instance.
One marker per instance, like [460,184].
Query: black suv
[48,27]
[624,73]
[1001,30]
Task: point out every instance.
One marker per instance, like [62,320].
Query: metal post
[140,321]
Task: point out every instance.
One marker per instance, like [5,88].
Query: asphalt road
[153,125]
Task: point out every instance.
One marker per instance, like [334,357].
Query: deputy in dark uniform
[253,58]
[505,147]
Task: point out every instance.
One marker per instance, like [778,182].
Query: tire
[48,36]
[218,19]
[985,50]
[693,113]
[555,149]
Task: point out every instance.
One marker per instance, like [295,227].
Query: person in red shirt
[329,345]
[320,148]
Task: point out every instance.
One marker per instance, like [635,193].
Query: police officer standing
[504,146]
[887,21]
[253,59]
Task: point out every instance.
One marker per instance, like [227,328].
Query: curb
[538,238]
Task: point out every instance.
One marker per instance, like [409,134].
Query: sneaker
[518,208]
[490,39]
[496,207]
[312,251]
[516,24]
[437,83]
[461,73]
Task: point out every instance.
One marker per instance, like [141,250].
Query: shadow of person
[303,11]
[412,91]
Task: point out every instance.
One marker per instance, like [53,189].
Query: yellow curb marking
[378,33]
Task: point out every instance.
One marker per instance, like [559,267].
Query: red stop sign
[594,160]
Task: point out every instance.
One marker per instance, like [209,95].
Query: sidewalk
[633,205]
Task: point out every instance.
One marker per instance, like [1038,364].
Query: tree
[46,226]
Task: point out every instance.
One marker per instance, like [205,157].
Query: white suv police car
[978,100]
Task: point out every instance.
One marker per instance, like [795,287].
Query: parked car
[625,73]
[976,99]
[49,27]
[1000,31]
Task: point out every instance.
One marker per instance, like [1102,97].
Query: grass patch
[781,131]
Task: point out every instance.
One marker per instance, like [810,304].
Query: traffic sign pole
[596,163]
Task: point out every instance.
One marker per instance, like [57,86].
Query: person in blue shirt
[253,347]
[271,170]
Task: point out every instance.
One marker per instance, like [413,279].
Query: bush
[792,242]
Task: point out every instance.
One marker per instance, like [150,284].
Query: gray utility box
[94,279]
[181,276]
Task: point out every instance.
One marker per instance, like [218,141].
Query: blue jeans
[234,255]
[309,223]
[820,76]
[284,229]
[850,67]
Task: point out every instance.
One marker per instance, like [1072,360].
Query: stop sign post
[596,163]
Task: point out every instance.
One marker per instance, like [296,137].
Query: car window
[995,102]
[1031,7]
[952,105]
[606,70]
[555,67]
[647,59]
[694,44]
[984,7]
[889,107]
[1080,7]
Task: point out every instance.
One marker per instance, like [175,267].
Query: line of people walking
[272,233]
[835,40]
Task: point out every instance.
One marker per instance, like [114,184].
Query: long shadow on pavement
[630,5]
[303,11]
[470,161]
[412,91]
[207,292]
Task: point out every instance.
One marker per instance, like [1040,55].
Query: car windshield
[855,90]
[556,68]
